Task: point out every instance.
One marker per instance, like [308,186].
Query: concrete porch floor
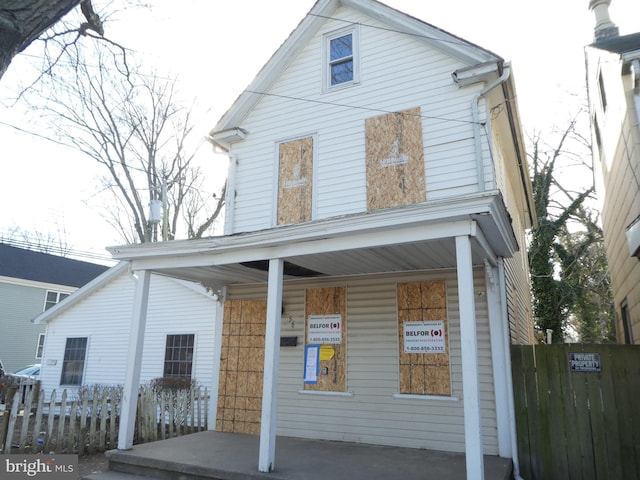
[226,456]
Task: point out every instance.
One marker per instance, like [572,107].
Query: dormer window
[341,58]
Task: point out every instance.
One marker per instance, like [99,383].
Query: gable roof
[42,267]
[97,283]
[467,52]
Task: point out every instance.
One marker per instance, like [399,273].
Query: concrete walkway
[226,456]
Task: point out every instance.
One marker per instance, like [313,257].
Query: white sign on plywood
[424,337]
[324,329]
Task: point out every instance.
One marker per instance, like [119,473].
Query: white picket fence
[88,422]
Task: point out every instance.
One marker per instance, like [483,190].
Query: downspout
[635,71]
[475,109]
[507,361]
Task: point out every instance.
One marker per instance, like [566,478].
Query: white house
[86,340]
[373,267]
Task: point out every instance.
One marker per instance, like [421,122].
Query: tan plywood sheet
[329,301]
[395,159]
[241,366]
[295,181]
[423,373]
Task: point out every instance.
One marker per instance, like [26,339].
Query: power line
[357,107]
[57,250]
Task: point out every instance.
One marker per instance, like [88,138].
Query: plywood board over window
[329,302]
[295,181]
[241,367]
[395,159]
[424,303]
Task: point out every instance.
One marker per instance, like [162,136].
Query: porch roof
[413,237]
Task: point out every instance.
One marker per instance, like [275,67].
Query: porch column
[217,353]
[497,325]
[470,376]
[132,374]
[266,460]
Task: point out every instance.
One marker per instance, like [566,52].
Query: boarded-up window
[241,367]
[423,328]
[395,159]
[295,181]
[324,306]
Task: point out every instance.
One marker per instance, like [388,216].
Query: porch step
[123,465]
[111,475]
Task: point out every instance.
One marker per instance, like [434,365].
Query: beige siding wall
[617,165]
[621,207]
[371,414]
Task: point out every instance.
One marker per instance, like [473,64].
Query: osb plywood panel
[395,159]
[295,181]
[329,301]
[423,373]
[241,366]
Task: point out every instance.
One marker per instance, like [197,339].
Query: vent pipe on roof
[604,27]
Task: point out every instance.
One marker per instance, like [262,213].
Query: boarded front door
[241,367]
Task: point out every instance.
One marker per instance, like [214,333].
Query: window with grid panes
[178,357]
[75,352]
[53,298]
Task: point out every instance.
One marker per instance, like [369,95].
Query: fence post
[4,426]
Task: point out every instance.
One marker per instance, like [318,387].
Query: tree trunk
[22,22]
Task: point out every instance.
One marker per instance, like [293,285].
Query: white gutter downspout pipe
[475,109]
[507,360]
[635,71]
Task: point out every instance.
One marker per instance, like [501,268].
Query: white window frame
[58,299]
[84,361]
[40,346]
[326,57]
[178,361]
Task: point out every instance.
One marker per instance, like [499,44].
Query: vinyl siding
[618,168]
[397,72]
[372,414]
[19,304]
[105,318]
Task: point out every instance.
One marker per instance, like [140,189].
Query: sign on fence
[577,425]
[584,362]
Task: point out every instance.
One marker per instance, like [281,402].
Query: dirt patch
[92,463]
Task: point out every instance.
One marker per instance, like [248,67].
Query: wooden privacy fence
[577,411]
[89,421]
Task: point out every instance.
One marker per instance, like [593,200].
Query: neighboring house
[613,80]
[378,200]
[86,335]
[30,283]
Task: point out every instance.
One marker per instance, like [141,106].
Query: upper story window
[341,58]
[53,298]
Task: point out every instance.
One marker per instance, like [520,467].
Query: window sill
[440,398]
[325,393]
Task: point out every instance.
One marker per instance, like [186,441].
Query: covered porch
[231,456]
[461,234]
